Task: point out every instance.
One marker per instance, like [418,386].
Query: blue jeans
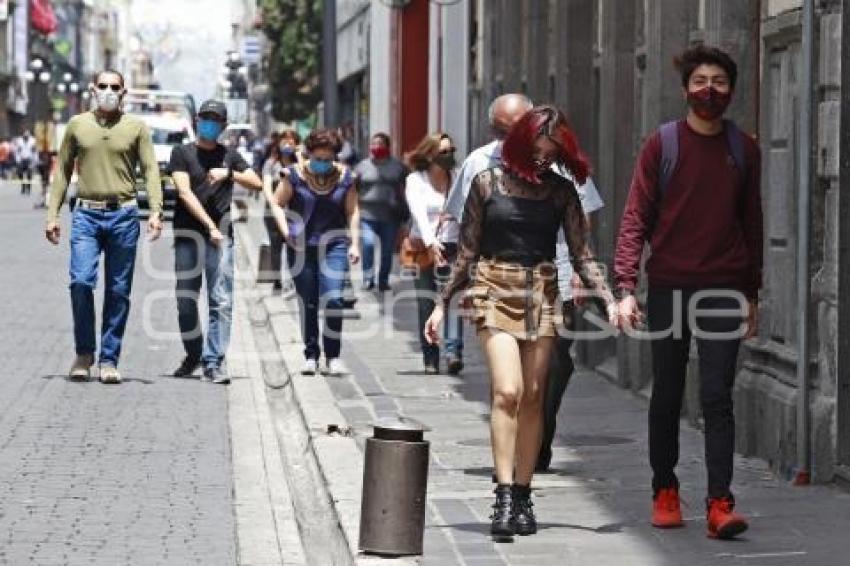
[194,260]
[453,322]
[115,234]
[382,234]
[319,276]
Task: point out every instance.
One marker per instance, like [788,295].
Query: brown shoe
[80,370]
[110,375]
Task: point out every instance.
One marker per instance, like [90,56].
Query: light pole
[329,82]
[70,89]
[39,76]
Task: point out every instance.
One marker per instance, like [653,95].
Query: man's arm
[248,179]
[240,170]
[460,191]
[64,170]
[638,216]
[150,169]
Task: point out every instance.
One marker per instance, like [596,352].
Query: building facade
[608,63]
[48,52]
[399,67]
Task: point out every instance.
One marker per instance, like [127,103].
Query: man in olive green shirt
[105,145]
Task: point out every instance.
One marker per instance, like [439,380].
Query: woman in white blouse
[426,189]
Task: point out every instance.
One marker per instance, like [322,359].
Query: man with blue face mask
[204,172]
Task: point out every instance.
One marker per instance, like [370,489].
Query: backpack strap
[670,152]
[669,155]
[735,140]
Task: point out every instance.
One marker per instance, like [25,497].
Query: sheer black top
[508,219]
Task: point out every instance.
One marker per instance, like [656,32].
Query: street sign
[252,49]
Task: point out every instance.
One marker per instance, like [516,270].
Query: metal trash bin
[395,483]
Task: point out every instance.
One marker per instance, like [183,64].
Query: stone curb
[339,459]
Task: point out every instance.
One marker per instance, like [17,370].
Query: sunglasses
[104,86]
[447,151]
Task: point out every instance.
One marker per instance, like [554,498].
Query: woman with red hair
[507,248]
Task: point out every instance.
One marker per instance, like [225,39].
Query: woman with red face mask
[506,257]
[380,180]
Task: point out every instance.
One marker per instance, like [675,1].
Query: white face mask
[107,100]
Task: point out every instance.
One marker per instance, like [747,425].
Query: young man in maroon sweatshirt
[699,208]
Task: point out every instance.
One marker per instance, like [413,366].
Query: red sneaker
[666,510]
[723,522]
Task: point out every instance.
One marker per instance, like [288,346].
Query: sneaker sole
[223,381]
[186,375]
[110,380]
[730,531]
[79,376]
[668,525]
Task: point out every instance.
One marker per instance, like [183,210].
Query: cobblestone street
[90,474]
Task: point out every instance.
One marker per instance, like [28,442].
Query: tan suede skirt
[519,300]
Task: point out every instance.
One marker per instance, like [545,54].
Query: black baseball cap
[213,106]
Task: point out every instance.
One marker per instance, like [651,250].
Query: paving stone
[91,474]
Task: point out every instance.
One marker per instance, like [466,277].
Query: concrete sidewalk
[593,506]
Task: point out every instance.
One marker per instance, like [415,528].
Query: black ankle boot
[501,517]
[522,511]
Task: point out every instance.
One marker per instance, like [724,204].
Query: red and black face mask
[709,103]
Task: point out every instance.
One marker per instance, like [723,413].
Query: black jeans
[560,371]
[717,364]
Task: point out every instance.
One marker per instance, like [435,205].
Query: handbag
[414,253]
